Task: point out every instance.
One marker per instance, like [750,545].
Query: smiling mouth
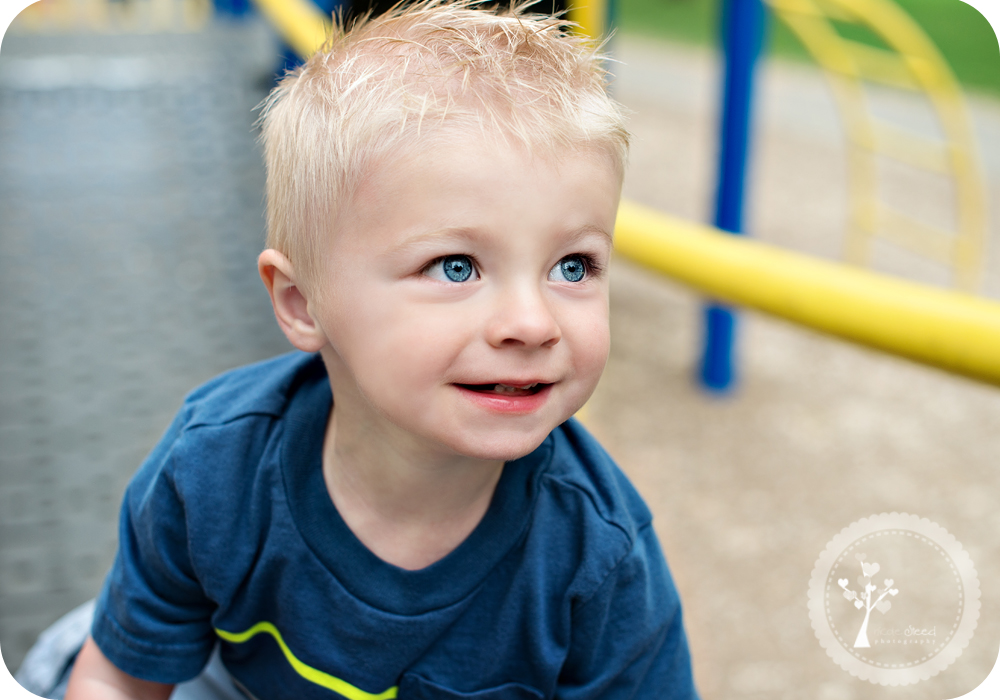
[506,389]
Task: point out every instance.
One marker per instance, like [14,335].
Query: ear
[291,306]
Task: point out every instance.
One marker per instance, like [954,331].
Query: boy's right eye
[452,268]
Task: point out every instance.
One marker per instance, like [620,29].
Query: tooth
[514,387]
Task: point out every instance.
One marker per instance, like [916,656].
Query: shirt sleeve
[153,619]
[628,639]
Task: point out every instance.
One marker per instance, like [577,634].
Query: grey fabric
[213,683]
[46,668]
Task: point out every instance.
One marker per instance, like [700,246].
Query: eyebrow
[461,234]
[588,229]
[456,234]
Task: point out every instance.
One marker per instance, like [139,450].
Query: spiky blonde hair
[391,81]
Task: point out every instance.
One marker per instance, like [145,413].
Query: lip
[511,405]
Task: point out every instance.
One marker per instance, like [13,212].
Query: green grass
[962,35]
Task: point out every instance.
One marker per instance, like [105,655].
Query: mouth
[511,390]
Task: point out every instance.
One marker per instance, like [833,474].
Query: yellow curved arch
[309,673]
[912,64]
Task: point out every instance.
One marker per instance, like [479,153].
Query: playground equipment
[909,61]
[593,18]
[742,39]
[912,63]
[300,22]
[946,329]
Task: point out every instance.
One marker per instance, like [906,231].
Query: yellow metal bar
[912,234]
[591,15]
[912,148]
[881,66]
[300,22]
[950,330]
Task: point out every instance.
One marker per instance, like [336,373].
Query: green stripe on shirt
[313,675]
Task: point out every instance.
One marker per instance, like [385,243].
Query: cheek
[590,337]
[393,344]
[597,352]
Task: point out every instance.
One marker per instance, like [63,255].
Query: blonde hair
[389,81]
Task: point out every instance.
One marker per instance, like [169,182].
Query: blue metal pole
[742,39]
[232,8]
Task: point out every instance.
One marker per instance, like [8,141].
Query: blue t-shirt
[228,532]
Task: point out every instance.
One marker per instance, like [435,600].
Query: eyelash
[590,262]
[594,268]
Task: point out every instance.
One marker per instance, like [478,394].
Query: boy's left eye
[572,268]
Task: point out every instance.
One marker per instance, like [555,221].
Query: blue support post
[742,39]
[233,8]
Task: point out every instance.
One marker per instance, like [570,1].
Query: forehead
[468,188]
[451,156]
[490,132]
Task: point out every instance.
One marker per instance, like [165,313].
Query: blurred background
[131,200]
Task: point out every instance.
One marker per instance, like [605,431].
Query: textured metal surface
[130,218]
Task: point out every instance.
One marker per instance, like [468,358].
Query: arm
[152,619]
[628,639]
[96,678]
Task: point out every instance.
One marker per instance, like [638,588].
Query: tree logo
[887,634]
[865,601]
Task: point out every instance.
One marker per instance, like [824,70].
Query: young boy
[405,508]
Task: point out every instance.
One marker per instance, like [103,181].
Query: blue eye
[572,268]
[457,268]
[453,268]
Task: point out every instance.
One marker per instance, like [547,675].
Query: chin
[502,447]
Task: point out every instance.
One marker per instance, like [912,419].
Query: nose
[522,318]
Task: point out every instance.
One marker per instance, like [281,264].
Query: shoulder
[216,471]
[262,388]
[580,464]
[223,430]
[234,421]
[589,518]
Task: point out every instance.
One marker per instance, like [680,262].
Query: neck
[409,505]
